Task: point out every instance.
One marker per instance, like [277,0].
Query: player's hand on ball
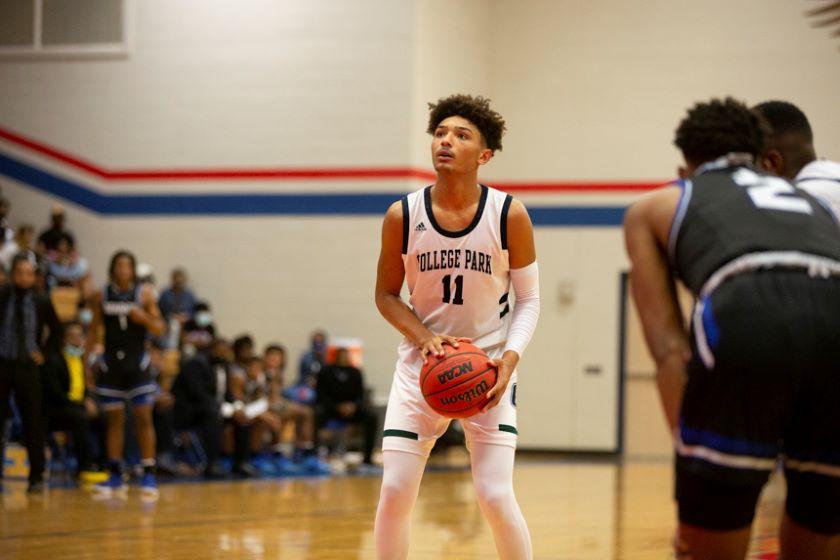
[504,369]
[434,346]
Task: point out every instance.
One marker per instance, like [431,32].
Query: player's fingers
[450,340]
[464,339]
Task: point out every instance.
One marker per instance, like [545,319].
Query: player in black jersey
[756,379]
[127,311]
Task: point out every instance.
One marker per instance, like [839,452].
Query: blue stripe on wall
[328,204]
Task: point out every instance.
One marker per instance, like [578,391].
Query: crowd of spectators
[221,409]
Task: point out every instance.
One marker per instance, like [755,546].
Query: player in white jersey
[461,247]
[790,153]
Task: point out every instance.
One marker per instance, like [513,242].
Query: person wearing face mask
[85,315]
[29,328]
[67,404]
[314,359]
[199,331]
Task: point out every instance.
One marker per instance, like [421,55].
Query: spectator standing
[29,328]
[49,238]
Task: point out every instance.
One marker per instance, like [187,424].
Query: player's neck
[451,190]
[122,287]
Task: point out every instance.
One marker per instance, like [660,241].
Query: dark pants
[163,419]
[363,417]
[25,379]
[207,424]
[73,418]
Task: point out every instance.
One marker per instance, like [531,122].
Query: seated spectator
[274,361]
[314,359]
[6,232]
[49,238]
[199,391]
[243,353]
[199,331]
[21,243]
[249,386]
[177,301]
[68,405]
[162,413]
[66,268]
[341,396]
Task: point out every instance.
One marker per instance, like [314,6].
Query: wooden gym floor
[575,509]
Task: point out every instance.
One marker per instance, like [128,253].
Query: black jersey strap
[405,224]
[504,221]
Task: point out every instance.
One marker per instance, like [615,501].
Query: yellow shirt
[77,377]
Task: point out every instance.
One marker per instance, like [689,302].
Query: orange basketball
[456,385]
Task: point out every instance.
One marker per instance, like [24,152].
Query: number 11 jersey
[459,281]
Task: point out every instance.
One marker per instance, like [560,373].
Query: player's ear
[682,172]
[772,161]
[485,156]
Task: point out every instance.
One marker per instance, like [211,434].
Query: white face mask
[74,350]
[85,316]
[203,318]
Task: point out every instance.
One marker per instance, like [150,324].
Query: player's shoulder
[819,169]
[655,206]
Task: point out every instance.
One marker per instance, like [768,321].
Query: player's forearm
[400,315]
[670,380]
[155,326]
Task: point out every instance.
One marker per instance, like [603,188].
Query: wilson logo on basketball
[454,372]
[468,395]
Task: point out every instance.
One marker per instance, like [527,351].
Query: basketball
[455,385]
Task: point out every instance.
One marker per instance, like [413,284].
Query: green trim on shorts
[508,428]
[401,433]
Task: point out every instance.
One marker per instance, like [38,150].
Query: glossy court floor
[575,510]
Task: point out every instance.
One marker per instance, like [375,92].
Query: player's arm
[148,315]
[390,274]
[646,225]
[524,279]
[94,335]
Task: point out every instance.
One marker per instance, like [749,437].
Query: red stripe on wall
[338,173]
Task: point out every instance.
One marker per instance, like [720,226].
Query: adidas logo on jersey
[420,227]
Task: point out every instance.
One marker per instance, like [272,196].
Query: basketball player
[128,311]
[790,152]
[460,246]
[756,380]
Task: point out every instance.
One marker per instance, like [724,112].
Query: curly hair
[718,127]
[476,109]
[785,118]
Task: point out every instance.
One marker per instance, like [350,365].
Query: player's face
[457,146]
[123,273]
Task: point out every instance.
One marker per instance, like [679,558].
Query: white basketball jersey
[821,178]
[459,281]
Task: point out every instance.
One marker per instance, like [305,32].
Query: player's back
[728,211]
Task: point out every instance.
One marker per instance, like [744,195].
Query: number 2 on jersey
[771,193]
[459,289]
